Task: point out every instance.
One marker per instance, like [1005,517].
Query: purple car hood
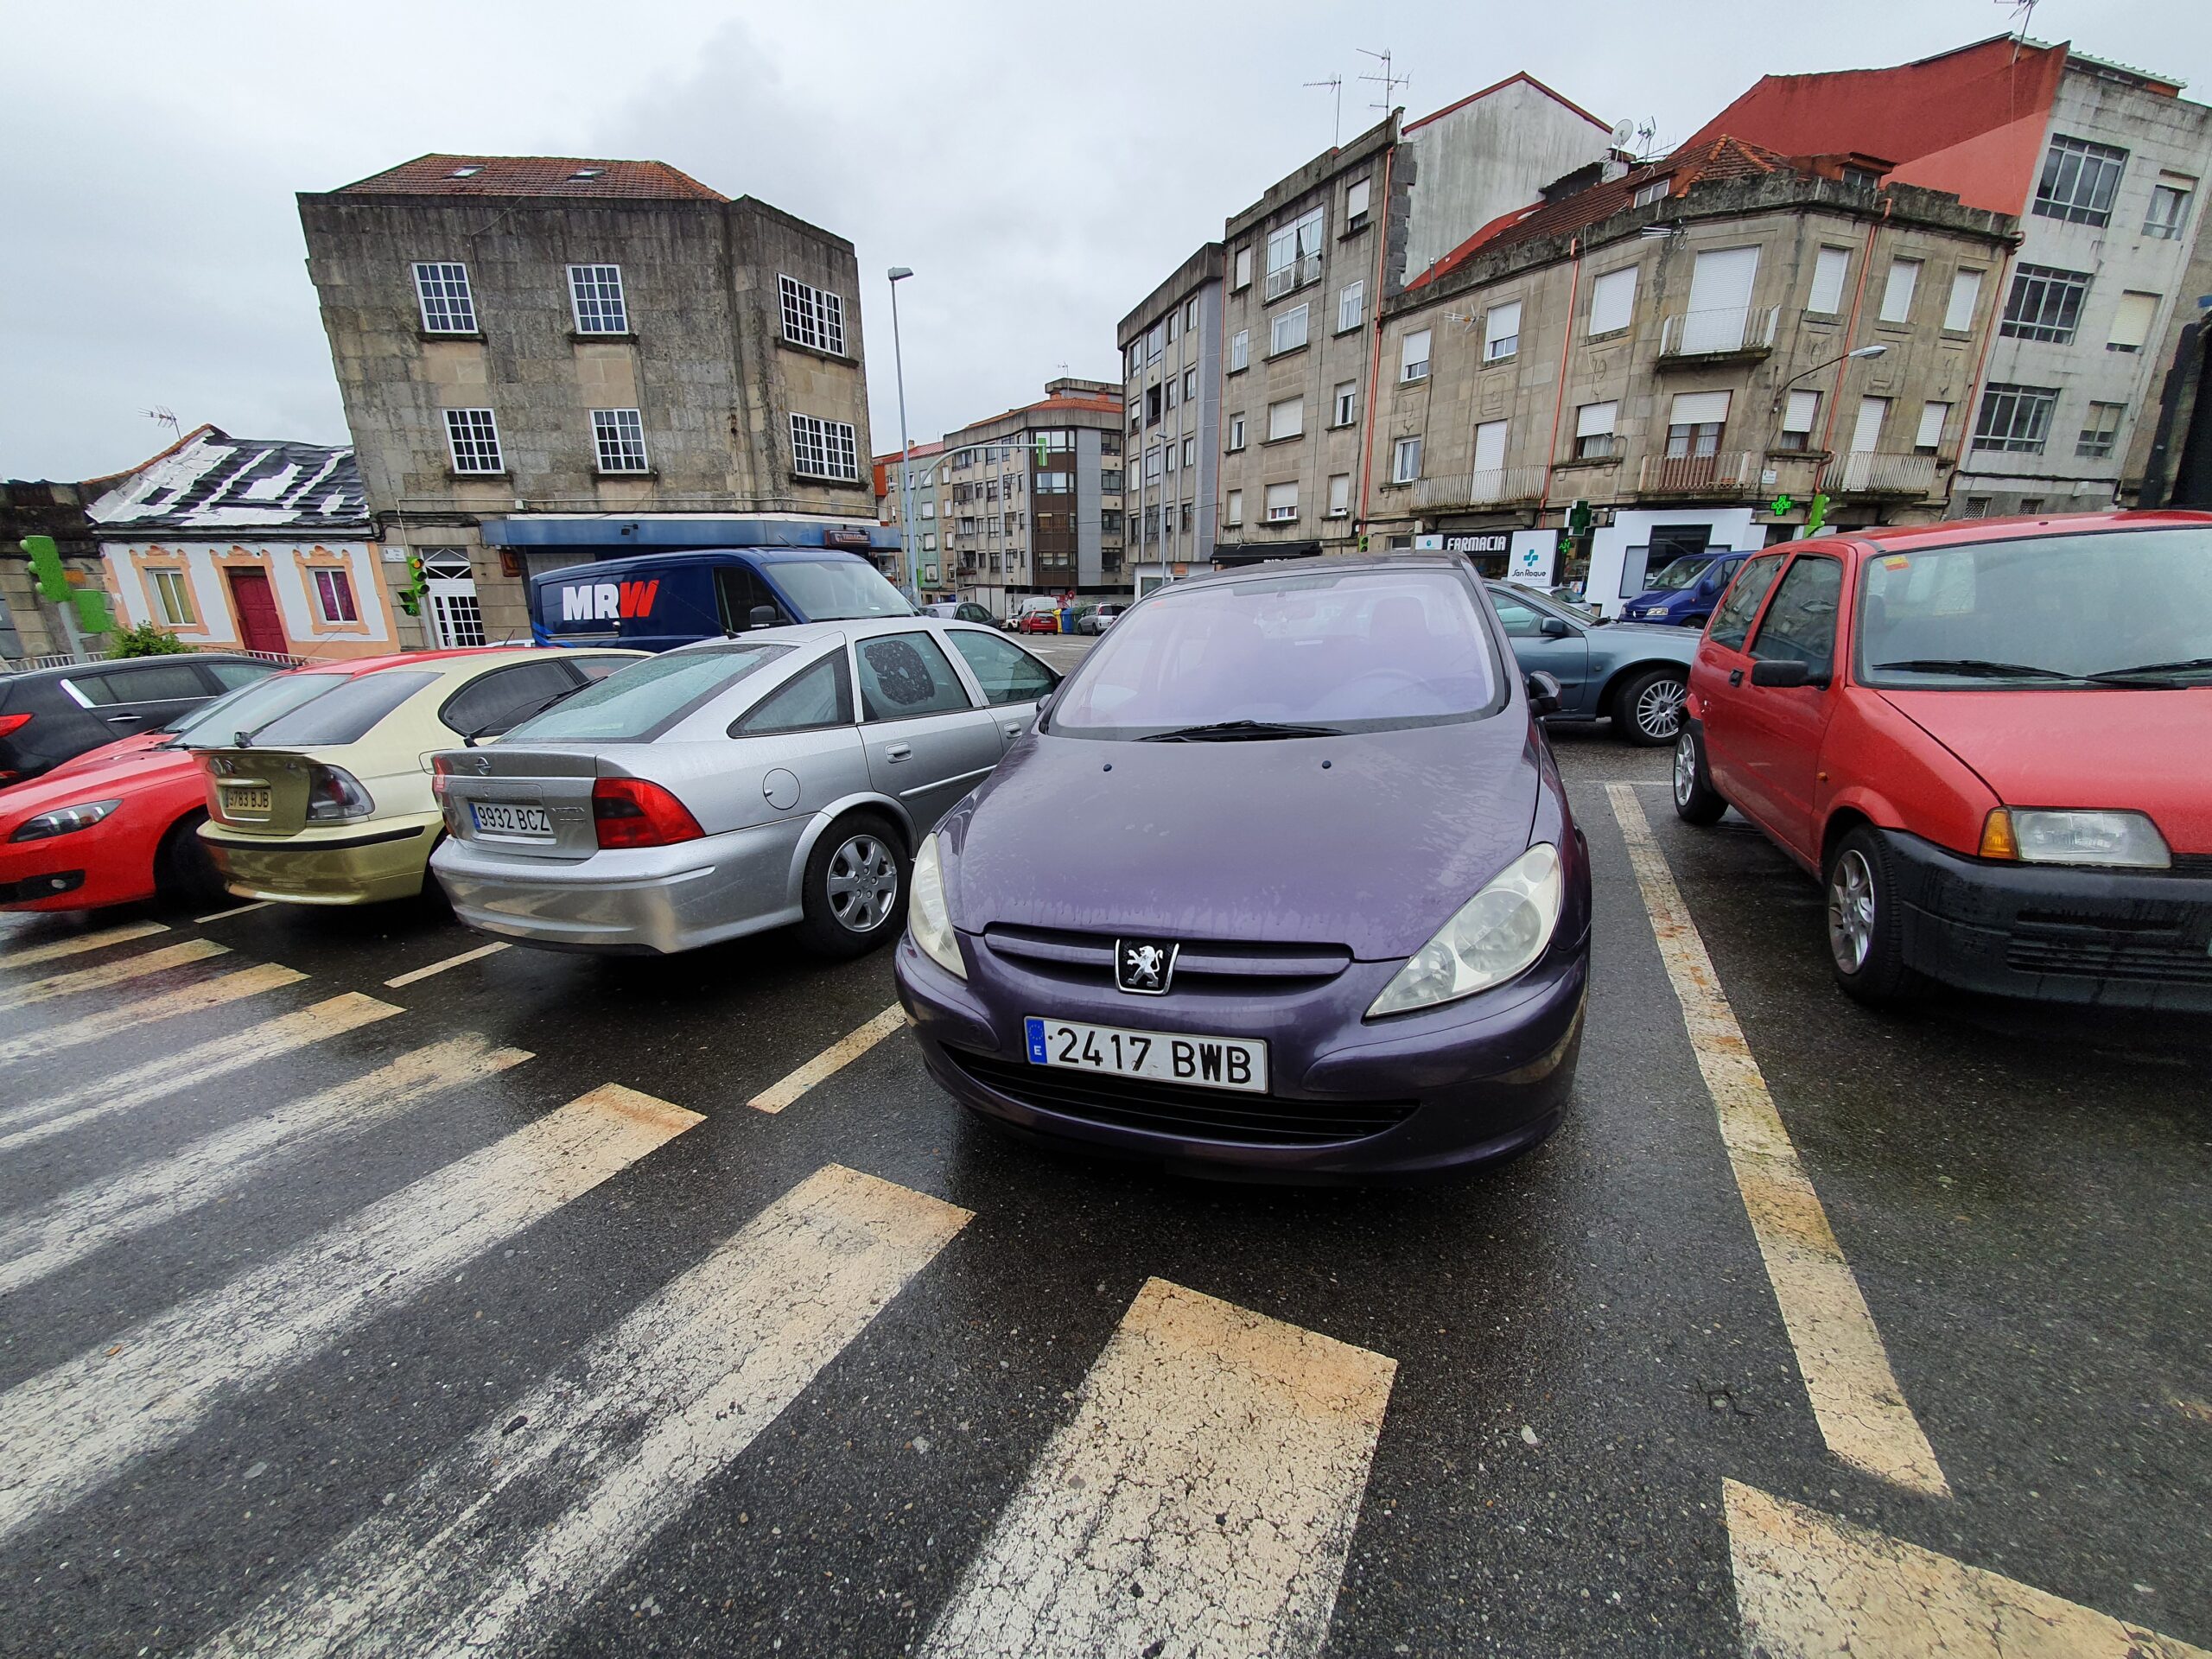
[1249,842]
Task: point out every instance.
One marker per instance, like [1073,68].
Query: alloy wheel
[863,884]
[1851,910]
[1684,769]
[1659,709]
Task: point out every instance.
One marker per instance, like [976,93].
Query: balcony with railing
[1730,334]
[1730,472]
[1494,486]
[1882,471]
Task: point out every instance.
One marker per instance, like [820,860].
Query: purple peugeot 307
[1283,883]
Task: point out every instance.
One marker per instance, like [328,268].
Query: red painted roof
[1053,406]
[919,450]
[533,175]
[1524,77]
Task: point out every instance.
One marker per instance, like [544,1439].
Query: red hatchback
[1991,740]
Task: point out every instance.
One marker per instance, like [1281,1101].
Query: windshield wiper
[1977,668]
[1237,731]
[2153,671]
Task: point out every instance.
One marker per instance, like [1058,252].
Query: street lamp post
[899,273]
[1782,391]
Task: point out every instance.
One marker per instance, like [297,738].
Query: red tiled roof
[532,175]
[936,448]
[1722,157]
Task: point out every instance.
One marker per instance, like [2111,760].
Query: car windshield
[828,590]
[342,714]
[212,724]
[2110,607]
[1682,573]
[1316,653]
[638,704]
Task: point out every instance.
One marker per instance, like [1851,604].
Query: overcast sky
[1040,167]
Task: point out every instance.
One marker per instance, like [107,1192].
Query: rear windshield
[1360,650]
[216,725]
[638,704]
[343,714]
[828,590]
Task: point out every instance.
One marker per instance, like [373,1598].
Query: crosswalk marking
[218,1056]
[1201,1500]
[81,942]
[832,1059]
[69,1430]
[236,910]
[101,1213]
[481,951]
[614,1445]
[109,973]
[1862,1413]
[1811,1587]
[164,1005]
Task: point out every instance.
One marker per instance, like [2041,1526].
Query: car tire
[846,884]
[1865,923]
[1697,622]
[1696,801]
[184,872]
[1648,709]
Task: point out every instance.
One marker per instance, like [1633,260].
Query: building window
[1240,350]
[2078,179]
[813,316]
[1232,513]
[1151,465]
[1236,433]
[929,541]
[2099,437]
[1294,255]
[1345,406]
[1155,400]
[448,306]
[1286,419]
[1170,394]
[1933,418]
[1898,290]
[172,591]
[1612,301]
[1190,315]
[473,436]
[1965,293]
[1355,205]
[595,294]
[1110,483]
[1977,507]
[1242,266]
[1056,483]
[1412,356]
[1282,503]
[1646,194]
[824,449]
[2169,206]
[1170,452]
[1340,495]
[1190,385]
[1351,307]
[2032,504]
[1801,412]
[1405,461]
[2044,304]
[1694,422]
[2132,321]
[1594,430]
[1830,267]
[1287,331]
[1190,452]
[2015,418]
[1171,327]
[619,435]
[1136,354]
[1502,332]
[334,596]
[1155,343]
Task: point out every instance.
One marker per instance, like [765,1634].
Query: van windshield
[1682,573]
[832,590]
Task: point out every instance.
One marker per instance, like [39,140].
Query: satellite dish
[1624,130]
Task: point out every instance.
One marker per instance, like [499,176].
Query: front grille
[2160,951]
[2192,863]
[1088,959]
[1192,1114]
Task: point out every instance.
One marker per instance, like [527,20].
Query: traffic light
[1816,514]
[56,588]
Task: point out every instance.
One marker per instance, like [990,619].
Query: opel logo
[483,763]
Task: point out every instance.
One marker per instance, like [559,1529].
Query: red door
[1778,738]
[1720,678]
[260,628]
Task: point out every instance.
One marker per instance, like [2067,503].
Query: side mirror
[762,616]
[1781,674]
[1543,694]
[1553,628]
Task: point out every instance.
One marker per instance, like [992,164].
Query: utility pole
[1336,85]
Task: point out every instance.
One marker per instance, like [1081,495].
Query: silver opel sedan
[782,777]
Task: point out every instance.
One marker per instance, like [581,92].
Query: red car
[1991,740]
[119,823]
[1038,622]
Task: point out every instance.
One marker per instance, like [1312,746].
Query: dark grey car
[51,714]
[1635,674]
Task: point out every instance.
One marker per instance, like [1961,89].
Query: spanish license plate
[500,818]
[1157,1056]
[243,799]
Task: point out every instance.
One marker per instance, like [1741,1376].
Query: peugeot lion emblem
[1144,966]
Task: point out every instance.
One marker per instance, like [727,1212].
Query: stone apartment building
[1691,347]
[548,360]
[1171,355]
[929,492]
[1032,499]
[2104,167]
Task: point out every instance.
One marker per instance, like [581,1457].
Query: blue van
[1686,590]
[655,601]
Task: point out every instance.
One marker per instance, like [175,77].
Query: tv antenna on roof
[1388,81]
[2025,10]
[160,416]
[1336,85]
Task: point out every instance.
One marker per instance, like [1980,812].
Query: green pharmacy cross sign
[1782,503]
[55,587]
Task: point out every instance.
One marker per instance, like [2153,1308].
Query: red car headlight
[63,821]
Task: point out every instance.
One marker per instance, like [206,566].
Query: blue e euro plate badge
[1037,1052]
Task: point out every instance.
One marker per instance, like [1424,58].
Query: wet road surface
[364,1290]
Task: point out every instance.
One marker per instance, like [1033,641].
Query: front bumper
[363,863]
[2117,938]
[1468,1083]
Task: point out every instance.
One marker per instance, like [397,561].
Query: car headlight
[1498,933]
[2129,840]
[63,821]
[928,918]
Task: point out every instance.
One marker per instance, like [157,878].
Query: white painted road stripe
[481,951]
[1811,1587]
[614,1445]
[1202,1496]
[217,1058]
[101,1213]
[830,1061]
[224,915]
[1862,1412]
[68,1430]
[110,973]
[81,942]
[163,1005]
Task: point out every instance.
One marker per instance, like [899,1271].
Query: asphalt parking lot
[364,1289]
